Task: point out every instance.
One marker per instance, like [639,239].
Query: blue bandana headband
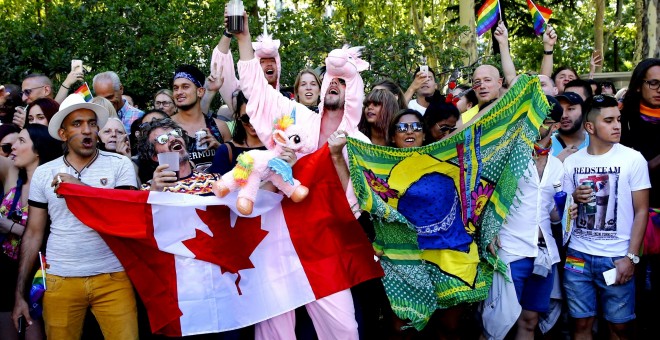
[189,77]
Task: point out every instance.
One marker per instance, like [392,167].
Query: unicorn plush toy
[255,166]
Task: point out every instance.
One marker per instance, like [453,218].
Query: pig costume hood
[267,47]
[345,63]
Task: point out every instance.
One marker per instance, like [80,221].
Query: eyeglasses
[653,84]
[445,128]
[162,139]
[405,127]
[245,119]
[6,148]
[27,92]
[163,104]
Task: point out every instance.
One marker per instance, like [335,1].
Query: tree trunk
[647,16]
[466,18]
[598,30]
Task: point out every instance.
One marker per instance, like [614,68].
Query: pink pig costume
[264,47]
[333,316]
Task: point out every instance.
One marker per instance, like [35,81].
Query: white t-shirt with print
[604,229]
[73,249]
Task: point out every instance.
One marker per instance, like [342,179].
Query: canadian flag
[201,268]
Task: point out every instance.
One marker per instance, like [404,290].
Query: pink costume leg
[334,316]
[279,327]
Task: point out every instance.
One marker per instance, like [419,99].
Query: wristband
[10,228]
[547,52]
[227,34]
[64,86]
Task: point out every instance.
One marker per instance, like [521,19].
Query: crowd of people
[597,143]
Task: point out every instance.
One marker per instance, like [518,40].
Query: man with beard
[340,111]
[571,136]
[83,272]
[423,86]
[188,91]
[164,135]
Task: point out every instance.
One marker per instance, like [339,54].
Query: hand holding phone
[424,69]
[22,326]
[597,58]
[76,65]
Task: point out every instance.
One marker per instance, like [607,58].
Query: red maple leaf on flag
[230,248]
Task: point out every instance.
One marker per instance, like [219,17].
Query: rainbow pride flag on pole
[487,16]
[540,15]
[85,92]
[38,288]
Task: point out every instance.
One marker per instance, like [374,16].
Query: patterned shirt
[128,114]
[197,183]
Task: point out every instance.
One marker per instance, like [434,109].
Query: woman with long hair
[440,119]
[377,112]
[244,138]
[307,89]
[33,147]
[390,85]
[42,110]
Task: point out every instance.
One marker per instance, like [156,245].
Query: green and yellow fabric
[436,208]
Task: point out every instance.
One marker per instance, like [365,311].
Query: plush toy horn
[293,115]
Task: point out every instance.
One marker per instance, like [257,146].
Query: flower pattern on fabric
[380,186]
[480,198]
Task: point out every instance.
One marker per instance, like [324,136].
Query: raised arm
[549,41]
[265,104]
[223,69]
[65,88]
[502,37]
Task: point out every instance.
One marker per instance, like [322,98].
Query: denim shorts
[584,291]
[533,290]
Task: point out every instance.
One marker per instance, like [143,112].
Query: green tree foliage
[143,41]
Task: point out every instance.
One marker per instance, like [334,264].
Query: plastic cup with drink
[171,159]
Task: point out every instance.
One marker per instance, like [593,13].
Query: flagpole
[43,273]
[499,8]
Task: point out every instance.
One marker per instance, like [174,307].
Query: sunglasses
[6,148]
[245,119]
[27,92]
[405,127]
[445,128]
[162,139]
[602,101]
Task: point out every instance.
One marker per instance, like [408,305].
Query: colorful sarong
[436,208]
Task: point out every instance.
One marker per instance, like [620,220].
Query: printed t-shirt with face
[603,228]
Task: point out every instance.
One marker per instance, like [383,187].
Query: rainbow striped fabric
[436,208]
[540,15]
[487,16]
[85,92]
[38,288]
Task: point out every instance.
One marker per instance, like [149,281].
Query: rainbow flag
[540,15]
[487,16]
[38,288]
[85,92]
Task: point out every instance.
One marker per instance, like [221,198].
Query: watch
[633,258]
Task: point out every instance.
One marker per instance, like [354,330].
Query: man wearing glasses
[34,86]
[611,183]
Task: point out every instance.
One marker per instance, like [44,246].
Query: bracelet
[12,227]
[547,52]
[227,34]
[64,86]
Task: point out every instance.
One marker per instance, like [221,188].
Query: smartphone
[598,55]
[22,325]
[76,65]
[424,69]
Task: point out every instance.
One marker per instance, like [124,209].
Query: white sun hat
[72,103]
